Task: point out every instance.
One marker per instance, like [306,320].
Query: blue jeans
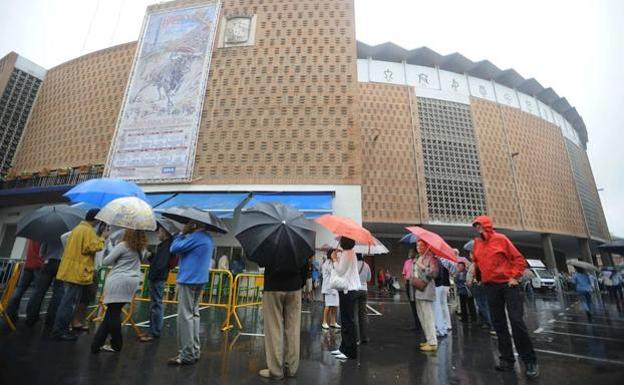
[65,311]
[586,300]
[26,279]
[156,307]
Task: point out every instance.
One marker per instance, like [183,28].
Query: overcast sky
[574,46]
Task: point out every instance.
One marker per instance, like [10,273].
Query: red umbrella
[346,227]
[435,242]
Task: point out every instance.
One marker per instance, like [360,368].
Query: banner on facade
[159,120]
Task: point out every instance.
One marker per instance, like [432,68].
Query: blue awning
[220,204]
[312,204]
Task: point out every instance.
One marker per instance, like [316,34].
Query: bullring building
[223,104]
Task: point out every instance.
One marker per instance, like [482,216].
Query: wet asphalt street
[570,351]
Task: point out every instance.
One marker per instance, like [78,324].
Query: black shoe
[532,370]
[504,366]
[66,337]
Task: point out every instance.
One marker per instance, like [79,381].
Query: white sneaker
[336,352]
[341,357]
[335,326]
[325,326]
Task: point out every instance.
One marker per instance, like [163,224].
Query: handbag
[337,282]
[418,283]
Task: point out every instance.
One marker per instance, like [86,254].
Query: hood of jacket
[487,224]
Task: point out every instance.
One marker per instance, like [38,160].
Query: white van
[543,279]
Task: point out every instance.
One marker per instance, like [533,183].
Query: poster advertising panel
[159,120]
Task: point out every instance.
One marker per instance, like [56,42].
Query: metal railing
[71,178]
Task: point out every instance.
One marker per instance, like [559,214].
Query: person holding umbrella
[281,239]
[425,270]
[121,284]
[501,266]
[76,271]
[157,275]
[51,252]
[584,284]
[194,246]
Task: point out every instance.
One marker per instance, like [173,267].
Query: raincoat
[496,257]
[77,264]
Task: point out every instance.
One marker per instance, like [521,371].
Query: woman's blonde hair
[135,239]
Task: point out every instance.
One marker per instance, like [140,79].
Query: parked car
[544,278]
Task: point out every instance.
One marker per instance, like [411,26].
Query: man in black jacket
[281,306]
[157,275]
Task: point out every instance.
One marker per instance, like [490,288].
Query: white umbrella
[583,265]
[375,249]
[129,213]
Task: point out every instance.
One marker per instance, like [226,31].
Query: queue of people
[492,280]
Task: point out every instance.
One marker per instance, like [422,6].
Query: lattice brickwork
[545,182]
[588,193]
[284,109]
[451,162]
[74,118]
[389,182]
[495,164]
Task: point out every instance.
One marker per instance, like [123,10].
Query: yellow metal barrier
[11,283]
[248,290]
[216,293]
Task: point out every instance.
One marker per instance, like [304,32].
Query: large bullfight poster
[158,124]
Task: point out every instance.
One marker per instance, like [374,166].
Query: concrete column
[549,253]
[585,250]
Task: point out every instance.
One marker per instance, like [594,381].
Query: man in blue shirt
[584,283]
[194,246]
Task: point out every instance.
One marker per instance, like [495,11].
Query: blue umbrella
[98,192]
[409,239]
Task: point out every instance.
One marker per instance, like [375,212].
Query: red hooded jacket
[496,257]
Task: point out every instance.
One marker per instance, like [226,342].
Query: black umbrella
[184,214]
[616,247]
[48,223]
[276,235]
[167,224]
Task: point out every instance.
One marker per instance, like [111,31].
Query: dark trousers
[615,294]
[468,311]
[362,318]
[501,296]
[412,306]
[26,279]
[348,332]
[42,284]
[65,311]
[111,325]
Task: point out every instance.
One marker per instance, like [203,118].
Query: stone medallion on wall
[237,31]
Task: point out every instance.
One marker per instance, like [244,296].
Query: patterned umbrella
[129,213]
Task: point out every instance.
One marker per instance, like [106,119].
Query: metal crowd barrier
[216,293]
[10,271]
[248,289]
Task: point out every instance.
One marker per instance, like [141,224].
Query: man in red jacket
[501,266]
